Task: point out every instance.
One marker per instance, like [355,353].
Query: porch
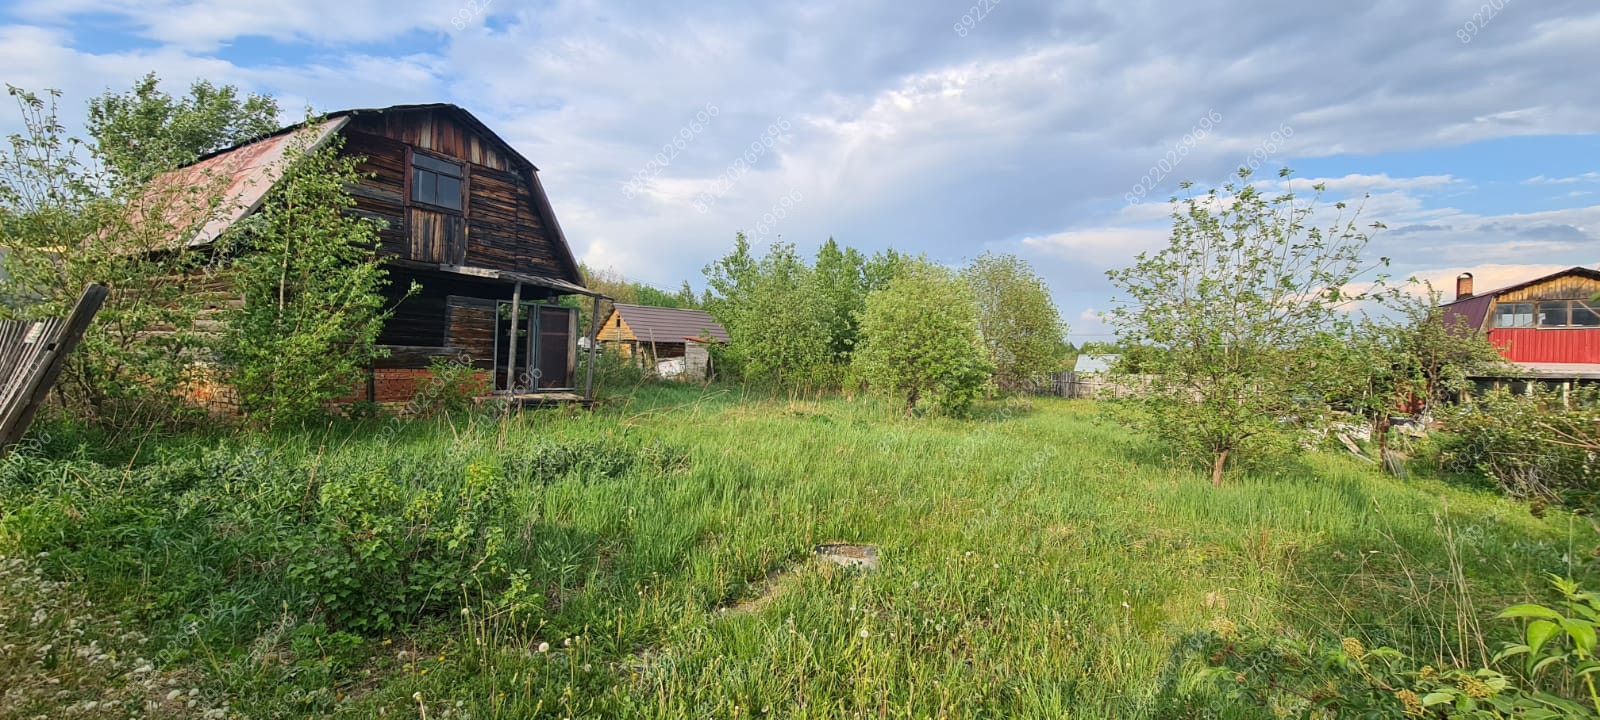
[517,332]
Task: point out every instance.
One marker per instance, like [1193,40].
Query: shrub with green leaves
[1247,280]
[452,386]
[216,543]
[920,341]
[1534,446]
[312,287]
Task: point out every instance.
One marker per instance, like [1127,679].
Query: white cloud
[1587,177]
[1024,135]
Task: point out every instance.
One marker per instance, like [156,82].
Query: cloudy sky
[932,126]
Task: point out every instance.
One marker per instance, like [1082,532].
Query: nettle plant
[1321,679]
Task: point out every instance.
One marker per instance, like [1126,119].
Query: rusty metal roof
[670,325]
[245,173]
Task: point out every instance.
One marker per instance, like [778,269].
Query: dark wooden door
[557,348]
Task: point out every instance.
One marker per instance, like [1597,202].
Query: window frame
[1536,318]
[1592,308]
[1532,315]
[412,185]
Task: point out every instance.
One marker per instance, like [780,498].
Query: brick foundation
[399,385]
[390,386]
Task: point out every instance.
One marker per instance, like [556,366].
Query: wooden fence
[1096,385]
[31,356]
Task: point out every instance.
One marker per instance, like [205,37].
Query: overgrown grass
[653,559]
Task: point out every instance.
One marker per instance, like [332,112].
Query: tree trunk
[1216,468]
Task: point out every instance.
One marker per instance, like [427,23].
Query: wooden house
[669,341]
[466,218]
[1548,327]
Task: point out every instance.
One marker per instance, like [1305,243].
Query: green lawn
[1036,562]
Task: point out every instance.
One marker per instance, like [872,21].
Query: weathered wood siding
[436,236]
[382,195]
[471,329]
[1571,287]
[504,231]
[438,131]
[500,225]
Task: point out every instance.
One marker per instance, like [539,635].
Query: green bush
[380,554]
[920,341]
[1531,445]
[452,387]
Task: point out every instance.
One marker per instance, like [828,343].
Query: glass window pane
[1585,315]
[1513,315]
[449,192]
[428,162]
[1553,314]
[424,186]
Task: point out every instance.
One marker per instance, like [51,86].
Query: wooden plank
[19,410]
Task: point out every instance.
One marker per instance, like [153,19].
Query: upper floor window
[1548,314]
[435,182]
[1570,313]
[1513,315]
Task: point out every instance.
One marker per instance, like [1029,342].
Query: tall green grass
[1037,562]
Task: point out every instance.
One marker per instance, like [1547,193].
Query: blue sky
[1022,132]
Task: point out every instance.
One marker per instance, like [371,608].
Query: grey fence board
[31,357]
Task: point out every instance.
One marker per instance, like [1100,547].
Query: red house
[1548,327]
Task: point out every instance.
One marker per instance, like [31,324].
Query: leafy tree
[144,131]
[66,221]
[1018,321]
[1245,283]
[773,316]
[1410,358]
[782,338]
[841,287]
[919,340]
[312,288]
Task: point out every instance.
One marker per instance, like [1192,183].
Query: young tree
[919,340]
[312,287]
[1244,285]
[1018,321]
[773,317]
[65,221]
[144,131]
[841,287]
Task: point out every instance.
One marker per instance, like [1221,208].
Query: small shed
[670,341]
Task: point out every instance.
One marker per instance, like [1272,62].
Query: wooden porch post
[511,352]
[594,346]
